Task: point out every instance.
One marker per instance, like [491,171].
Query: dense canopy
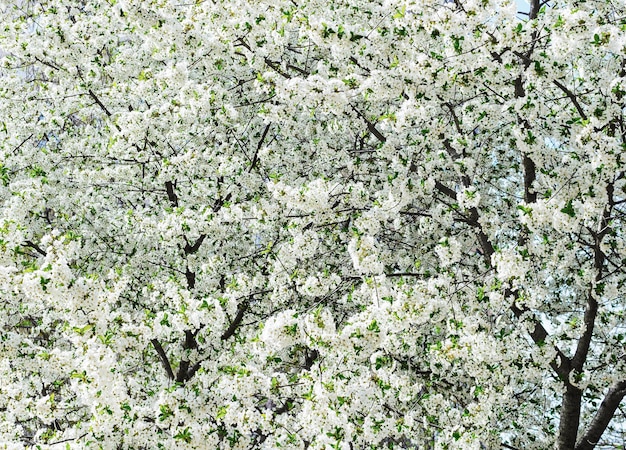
[305,224]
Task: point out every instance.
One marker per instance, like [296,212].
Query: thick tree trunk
[605,413]
[570,418]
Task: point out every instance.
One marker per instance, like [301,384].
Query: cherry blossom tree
[312,225]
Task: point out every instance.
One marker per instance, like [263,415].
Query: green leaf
[400,12]
[82,330]
[569,209]
[184,435]
[221,412]
[374,327]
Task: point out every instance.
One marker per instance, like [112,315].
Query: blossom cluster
[312,225]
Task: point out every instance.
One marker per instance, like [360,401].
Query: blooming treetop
[312,225]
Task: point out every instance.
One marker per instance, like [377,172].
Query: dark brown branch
[191,249]
[539,335]
[582,348]
[183,369]
[606,411]
[191,279]
[21,143]
[403,274]
[68,439]
[370,126]
[191,372]
[298,69]
[35,247]
[535,5]
[509,446]
[166,363]
[530,196]
[286,407]
[451,150]
[457,123]
[569,421]
[181,375]
[529,165]
[171,195]
[274,66]
[47,63]
[255,158]
[310,357]
[220,202]
[445,190]
[485,245]
[561,364]
[257,102]
[572,98]
[354,61]
[519,88]
[241,310]
[570,417]
[411,213]
[242,43]
[99,103]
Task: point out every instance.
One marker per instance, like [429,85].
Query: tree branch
[191,278]
[171,195]
[255,158]
[572,98]
[191,249]
[21,143]
[606,411]
[535,5]
[539,335]
[530,196]
[570,417]
[190,343]
[220,202]
[243,307]
[191,372]
[569,421]
[99,103]
[508,446]
[166,363]
[457,123]
[445,190]
[589,318]
[370,126]
[35,247]
[274,66]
